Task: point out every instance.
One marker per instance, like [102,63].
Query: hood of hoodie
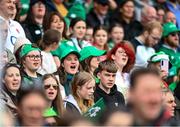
[72,100]
[112,92]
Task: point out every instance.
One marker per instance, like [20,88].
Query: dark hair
[7,66]
[57,103]
[96,29]
[107,65]
[48,20]
[124,2]
[115,25]
[137,73]
[49,37]
[85,64]
[22,94]
[74,21]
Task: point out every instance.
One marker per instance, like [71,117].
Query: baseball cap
[169,28]
[28,48]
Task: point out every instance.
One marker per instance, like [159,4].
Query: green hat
[157,57]
[90,51]
[28,48]
[169,28]
[25,6]
[77,10]
[68,50]
[49,113]
[172,71]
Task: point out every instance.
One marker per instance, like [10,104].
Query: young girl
[100,38]
[82,94]
[116,35]
[50,42]
[52,91]
[78,31]
[124,57]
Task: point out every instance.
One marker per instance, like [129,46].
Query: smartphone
[164,64]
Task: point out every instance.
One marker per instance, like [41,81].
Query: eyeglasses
[55,86]
[155,38]
[174,34]
[33,57]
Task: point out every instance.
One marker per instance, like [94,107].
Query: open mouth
[51,93]
[73,67]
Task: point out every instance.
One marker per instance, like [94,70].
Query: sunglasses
[174,34]
[55,86]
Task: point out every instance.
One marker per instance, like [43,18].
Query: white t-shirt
[48,63]
[15,30]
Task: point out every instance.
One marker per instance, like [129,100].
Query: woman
[55,21]
[11,82]
[69,67]
[90,58]
[100,38]
[78,31]
[34,20]
[124,57]
[82,94]
[49,42]
[52,91]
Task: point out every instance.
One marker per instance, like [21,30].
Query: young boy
[106,89]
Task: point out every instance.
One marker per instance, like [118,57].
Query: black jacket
[113,99]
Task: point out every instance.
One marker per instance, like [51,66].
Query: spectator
[34,20]
[174,7]
[125,16]
[90,58]
[100,38]
[148,14]
[55,21]
[89,34]
[145,98]
[53,94]
[171,42]
[144,43]
[116,35]
[69,67]
[154,62]
[15,30]
[31,105]
[160,15]
[124,58]
[169,101]
[78,28]
[99,14]
[82,94]
[106,89]
[170,17]
[11,82]
[49,42]
[30,62]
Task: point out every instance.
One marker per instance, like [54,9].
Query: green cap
[28,48]
[169,28]
[77,10]
[68,50]
[25,6]
[90,51]
[49,113]
[157,57]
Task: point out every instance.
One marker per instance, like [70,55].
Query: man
[170,17]
[31,61]
[106,89]
[99,14]
[15,30]
[171,42]
[148,14]
[145,98]
[144,43]
[31,106]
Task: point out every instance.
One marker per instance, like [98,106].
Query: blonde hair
[153,25]
[79,80]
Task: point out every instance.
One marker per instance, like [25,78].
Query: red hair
[129,51]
